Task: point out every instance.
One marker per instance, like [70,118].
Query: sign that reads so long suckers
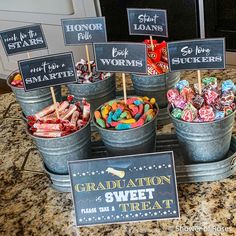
[23,39]
[48,71]
[124,189]
[147,22]
[84,31]
[197,54]
[121,57]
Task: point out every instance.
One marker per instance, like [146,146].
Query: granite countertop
[29,206]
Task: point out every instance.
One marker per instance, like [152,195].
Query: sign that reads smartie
[47,71]
[124,189]
[147,22]
[23,39]
[197,54]
[84,30]
[121,57]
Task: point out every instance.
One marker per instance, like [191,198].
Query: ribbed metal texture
[130,141]
[155,86]
[96,93]
[33,101]
[204,142]
[56,152]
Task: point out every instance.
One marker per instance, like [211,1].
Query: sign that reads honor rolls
[197,54]
[47,71]
[147,22]
[124,189]
[121,57]
[84,31]
[23,39]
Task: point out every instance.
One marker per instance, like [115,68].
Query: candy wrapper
[84,77]
[213,104]
[118,115]
[72,117]
[157,61]
[17,81]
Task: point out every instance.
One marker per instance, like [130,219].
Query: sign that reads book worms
[197,54]
[23,39]
[124,189]
[121,57]
[147,22]
[48,71]
[84,30]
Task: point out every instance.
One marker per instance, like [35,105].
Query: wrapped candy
[187,93]
[71,118]
[172,94]
[179,102]
[189,113]
[210,96]
[198,101]
[177,113]
[207,113]
[17,81]
[227,98]
[210,81]
[181,84]
[228,85]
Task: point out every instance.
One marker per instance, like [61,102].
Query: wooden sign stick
[199,81]
[54,102]
[88,57]
[152,45]
[124,87]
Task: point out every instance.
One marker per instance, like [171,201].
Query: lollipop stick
[199,81]
[152,45]
[88,57]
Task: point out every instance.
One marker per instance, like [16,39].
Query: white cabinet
[15,13]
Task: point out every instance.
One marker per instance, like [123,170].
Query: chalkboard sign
[197,54]
[85,30]
[147,22]
[121,57]
[23,39]
[48,71]
[124,189]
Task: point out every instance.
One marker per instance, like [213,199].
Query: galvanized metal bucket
[96,93]
[130,141]
[56,152]
[60,182]
[155,86]
[33,101]
[204,142]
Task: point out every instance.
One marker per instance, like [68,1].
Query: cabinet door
[15,13]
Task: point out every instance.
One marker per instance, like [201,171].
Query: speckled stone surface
[29,206]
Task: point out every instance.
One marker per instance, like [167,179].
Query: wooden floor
[3,87]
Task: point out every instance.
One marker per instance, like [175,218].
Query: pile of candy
[157,59]
[17,81]
[118,115]
[84,77]
[213,104]
[72,118]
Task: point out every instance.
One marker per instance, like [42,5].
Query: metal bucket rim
[10,77]
[198,123]
[57,138]
[156,76]
[123,130]
[88,84]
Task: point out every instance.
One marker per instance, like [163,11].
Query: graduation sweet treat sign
[23,39]
[124,189]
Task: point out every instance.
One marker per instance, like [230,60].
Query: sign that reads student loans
[124,189]
[147,22]
[48,71]
[197,54]
[84,30]
[23,39]
[121,57]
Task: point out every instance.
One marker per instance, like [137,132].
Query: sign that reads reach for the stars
[124,189]
[121,57]
[147,22]
[47,71]
[84,30]
[23,39]
[197,54]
